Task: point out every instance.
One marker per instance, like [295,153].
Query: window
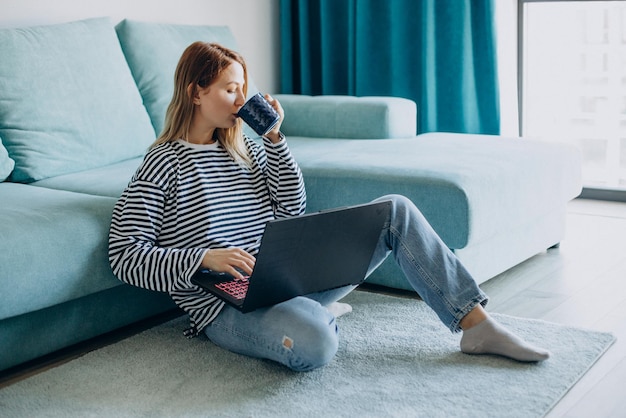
[573,82]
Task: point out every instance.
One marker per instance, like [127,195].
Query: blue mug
[259,114]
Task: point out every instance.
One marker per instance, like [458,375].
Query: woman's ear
[192,92]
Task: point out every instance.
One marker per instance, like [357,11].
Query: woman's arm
[284,179]
[134,254]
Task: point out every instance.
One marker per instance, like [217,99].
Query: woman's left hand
[274,134]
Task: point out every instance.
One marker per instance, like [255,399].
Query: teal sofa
[80,103]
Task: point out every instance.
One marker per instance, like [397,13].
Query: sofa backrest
[153,50]
[86,94]
[68,101]
[348,117]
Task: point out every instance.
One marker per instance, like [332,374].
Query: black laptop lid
[315,252]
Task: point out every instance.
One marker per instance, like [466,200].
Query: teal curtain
[439,53]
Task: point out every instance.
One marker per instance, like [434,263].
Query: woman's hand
[229,260]
[274,134]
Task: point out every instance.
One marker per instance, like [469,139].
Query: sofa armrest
[348,116]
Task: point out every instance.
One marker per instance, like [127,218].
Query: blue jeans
[301,334]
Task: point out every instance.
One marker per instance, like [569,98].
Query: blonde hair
[199,66]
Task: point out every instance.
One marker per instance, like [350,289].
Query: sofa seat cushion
[469,187]
[110,180]
[68,101]
[53,247]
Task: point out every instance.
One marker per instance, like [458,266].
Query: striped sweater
[187,198]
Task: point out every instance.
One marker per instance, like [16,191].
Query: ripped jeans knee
[299,333]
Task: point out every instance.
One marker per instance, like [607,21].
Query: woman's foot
[489,337]
[339,308]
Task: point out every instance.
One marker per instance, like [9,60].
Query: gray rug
[395,359]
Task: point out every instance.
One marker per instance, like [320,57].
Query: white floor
[582,283]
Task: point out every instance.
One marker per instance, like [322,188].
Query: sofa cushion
[153,50]
[110,180]
[348,116]
[53,247]
[469,187]
[6,163]
[68,101]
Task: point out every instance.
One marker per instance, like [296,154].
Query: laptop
[302,255]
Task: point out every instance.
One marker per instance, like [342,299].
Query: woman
[201,198]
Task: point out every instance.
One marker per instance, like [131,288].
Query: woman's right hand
[229,260]
[274,135]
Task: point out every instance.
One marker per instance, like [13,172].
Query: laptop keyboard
[236,288]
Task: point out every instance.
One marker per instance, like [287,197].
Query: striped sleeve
[134,255]
[284,180]
[135,227]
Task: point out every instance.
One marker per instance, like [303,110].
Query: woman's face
[217,104]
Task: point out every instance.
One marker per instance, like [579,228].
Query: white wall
[506,30]
[253,22]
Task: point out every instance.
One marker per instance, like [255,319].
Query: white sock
[339,308]
[489,337]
